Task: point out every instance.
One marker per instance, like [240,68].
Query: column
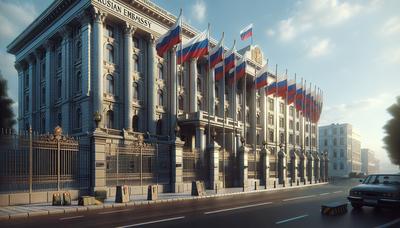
[174,91]
[37,90]
[265,164]
[86,71]
[49,49]
[310,167]
[200,142]
[152,94]
[31,67]
[193,86]
[264,114]
[128,80]
[66,83]
[176,166]
[19,68]
[211,93]
[99,17]
[214,165]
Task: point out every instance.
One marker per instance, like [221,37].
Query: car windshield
[383,179]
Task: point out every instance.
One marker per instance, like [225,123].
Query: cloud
[390,56]
[199,10]
[391,26]
[320,47]
[270,32]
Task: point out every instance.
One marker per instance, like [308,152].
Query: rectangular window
[297,126]
[291,124]
[271,104]
[281,122]
[291,139]
[271,135]
[281,108]
[297,140]
[271,119]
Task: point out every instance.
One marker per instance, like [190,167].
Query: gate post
[177,163]
[57,136]
[30,163]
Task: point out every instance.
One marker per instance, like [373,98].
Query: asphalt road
[286,208]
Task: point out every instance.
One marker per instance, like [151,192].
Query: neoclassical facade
[90,66]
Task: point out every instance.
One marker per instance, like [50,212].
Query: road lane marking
[337,192]
[237,208]
[112,212]
[291,219]
[389,223]
[73,217]
[152,222]
[326,193]
[300,197]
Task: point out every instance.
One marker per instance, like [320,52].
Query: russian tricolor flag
[291,91]
[194,48]
[271,89]
[241,69]
[299,98]
[217,54]
[246,32]
[171,38]
[229,60]
[262,77]
[219,72]
[231,76]
[282,88]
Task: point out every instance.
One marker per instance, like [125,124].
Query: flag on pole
[271,89]
[299,97]
[282,88]
[241,69]
[229,60]
[217,53]
[291,91]
[246,32]
[171,38]
[231,76]
[219,72]
[262,77]
[193,48]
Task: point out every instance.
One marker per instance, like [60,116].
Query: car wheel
[356,205]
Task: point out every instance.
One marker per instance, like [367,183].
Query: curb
[138,203]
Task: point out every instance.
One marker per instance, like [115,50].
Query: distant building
[342,143]
[369,163]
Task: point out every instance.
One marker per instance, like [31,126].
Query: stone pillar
[128,80]
[174,91]
[193,86]
[322,167]
[303,167]
[66,75]
[98,162]
[152,94]
[264,114]
[316,167]
[31,70]
[294,167]
[243,165]
[265,164]
[214,149]
[177,163]
[18,66]
[98,19]
[85,53]
[282,165]
[49,49]
[310,167]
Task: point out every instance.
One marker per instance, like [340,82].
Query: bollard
[255,185]
[57,201]
[122,194]
[304,181]
[298,182]
[216,188]
[152,192]
[283,183]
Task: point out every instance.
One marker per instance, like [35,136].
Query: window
[258,139]
[297,126]
[247,117]
[281,122]
[334,131]
[59,119]
[59,59]
[335,142]
[198,84]
[258,119]
[297,140]
[198,105]
[78,50]
[216,90]
[216,110]
[26,103]
[160,98]
[135,91]
[78,82]
[335,166]
[239,115]
[341,141]
[325,132]
[135,63]
[159,127]
[341,166]
[110,53]
[281,108]
[78,118]
[110,84]
[198,68]
[160,72]
[291,111]
[135,42]
[109,119]
[334,154]
[59,85]
[325,142]
[282,138]
[341,130]
[135,123]
[43,96]
[26,79]
[109,31]
[271,135]
[258,102]
[291,139]
[341,153]
[180,101]
[271,104]
[271,119]
[291,124]
[307,141]
[180,78]
[43,124]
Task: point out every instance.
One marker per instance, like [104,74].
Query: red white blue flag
[246,32]
[299,97]
[171,38]
[219,72]
[229,60]
[194,48]
[282,88]
[217,54]
[271,89]
[291,91]
[262,77]
[241,69]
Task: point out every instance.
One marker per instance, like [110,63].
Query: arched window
[59,119]
[135,42]
[159,127]
[135,123]
[198,105]
[110,84]
[78,118]
[135,63]
[110,53]
[59,85]
[180,101]
[160,72]
[109,119]
[78,50]
[78,81]
[135,91]
[160,97]
[198,84]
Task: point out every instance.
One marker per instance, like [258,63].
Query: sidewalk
[30,210]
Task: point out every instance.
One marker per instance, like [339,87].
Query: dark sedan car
[380,190]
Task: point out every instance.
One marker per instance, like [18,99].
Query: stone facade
[97,60]
[370,164]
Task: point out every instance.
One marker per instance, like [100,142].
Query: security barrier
[122,194]
[86,200]
[66,199]
[152,192]
[334,209]
[198,188]
[57,200]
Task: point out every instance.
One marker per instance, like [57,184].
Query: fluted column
[84,18]
[264,114]
[19,67]
[31,68]
[151,85]
[173,89]
[193,86]
[49,49]
[66,83]
[99,17]
[128,52]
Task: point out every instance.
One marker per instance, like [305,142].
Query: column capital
[129,29]
[65,32]
[31,58]
[152,38]
[98,15]
[48,45]
[20,65]
[84,18]
[38,53]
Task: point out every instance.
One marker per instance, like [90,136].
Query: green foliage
[392,129]
[6,113]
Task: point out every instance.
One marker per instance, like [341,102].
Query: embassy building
[91,67]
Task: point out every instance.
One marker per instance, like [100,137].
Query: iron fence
[32,162]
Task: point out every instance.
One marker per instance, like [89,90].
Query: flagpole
[295,112]
[208,86]
[224,114]
[177,75]
[276,122]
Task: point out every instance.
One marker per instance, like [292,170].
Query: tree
[6,113]
[392,129]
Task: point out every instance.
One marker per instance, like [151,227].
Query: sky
[349,49]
